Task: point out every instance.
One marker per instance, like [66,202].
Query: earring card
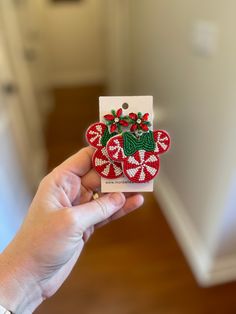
[129,104]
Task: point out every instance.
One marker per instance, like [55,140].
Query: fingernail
[117,199]
[141,198]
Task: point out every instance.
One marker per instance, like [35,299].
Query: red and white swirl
[162,140]
[106,167]
[94,134]
[141,167]
[115,148]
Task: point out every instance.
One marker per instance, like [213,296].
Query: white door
[15,192]
[25,89]
[15,186]
[32,24]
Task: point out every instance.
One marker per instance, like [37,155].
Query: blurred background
[176,255]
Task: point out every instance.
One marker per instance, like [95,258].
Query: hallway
[132,266]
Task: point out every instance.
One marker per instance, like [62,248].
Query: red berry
[109,117]
[144,127]
[145,117]
[133,116]
[119,113]
[124,123]
[133,127]
[113,128]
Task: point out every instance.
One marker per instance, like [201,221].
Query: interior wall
[196,95]
[117,47]
[76,41]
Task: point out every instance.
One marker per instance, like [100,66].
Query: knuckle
[69,223]
[49,178]
[69,218]
[44,181]
[104,211]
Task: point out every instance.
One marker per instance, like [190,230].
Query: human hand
[60,220]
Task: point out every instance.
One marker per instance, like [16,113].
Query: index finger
[79,163]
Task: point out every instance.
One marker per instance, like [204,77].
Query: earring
[126,145]
[138,149]
[97,136]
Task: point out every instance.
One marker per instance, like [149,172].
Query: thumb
[96,211]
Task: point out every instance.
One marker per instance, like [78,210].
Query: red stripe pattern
[94,134]
[105,166]
[162,140]
[115,148]
[141,167]
[102,163]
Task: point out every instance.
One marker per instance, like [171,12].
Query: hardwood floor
[132,266]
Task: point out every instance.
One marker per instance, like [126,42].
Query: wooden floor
[132,266]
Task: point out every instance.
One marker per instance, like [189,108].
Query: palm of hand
[61,219]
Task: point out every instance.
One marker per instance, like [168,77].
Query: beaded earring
[125,145]
[98,135]
[138,149]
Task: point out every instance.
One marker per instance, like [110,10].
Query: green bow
[132,144]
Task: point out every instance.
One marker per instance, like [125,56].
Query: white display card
[136,104]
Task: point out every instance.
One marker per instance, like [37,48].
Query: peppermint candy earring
[126,145]
[138,149]
[97,136]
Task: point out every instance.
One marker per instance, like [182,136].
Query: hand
[60,220]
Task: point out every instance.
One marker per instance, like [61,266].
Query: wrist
[19,292]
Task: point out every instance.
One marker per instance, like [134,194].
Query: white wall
[117,46]
[76,41]
[196,96]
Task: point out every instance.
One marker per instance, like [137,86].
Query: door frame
[31,143]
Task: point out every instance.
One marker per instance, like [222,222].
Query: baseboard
[207,270]
[223,270]
[77,78]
